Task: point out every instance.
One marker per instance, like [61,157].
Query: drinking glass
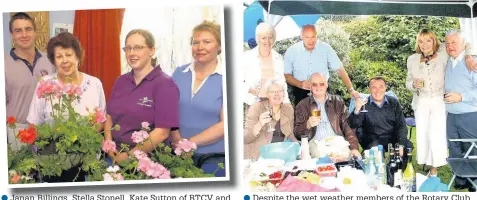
[364,99]
[270,128]
[316,111]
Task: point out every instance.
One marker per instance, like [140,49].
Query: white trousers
[14,142]
[431,135]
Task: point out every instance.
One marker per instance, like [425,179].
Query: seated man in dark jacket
[332,120]
[384,122]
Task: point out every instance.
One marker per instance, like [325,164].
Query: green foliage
[381,46]
[70,140]
[393,38]
[362,70]
[178,166]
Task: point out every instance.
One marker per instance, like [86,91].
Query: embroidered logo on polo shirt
[43,72]
[145,102]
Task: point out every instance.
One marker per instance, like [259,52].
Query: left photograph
[105,95]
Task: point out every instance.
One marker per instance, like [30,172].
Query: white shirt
[457,60]
[253,74]
[218,70]
[92,97]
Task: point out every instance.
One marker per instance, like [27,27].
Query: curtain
[171,28]
[98,32]
[468,28]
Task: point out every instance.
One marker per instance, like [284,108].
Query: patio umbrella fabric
[451,8]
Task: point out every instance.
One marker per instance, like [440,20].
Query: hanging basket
[68,162]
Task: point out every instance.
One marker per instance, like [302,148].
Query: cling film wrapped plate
[335,147]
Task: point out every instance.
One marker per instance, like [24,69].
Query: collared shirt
[30,66]
[302,63]
[324,129]
[218,70]
[457,60]
[460,80]
[201,110]
[21,81]
[371,100]
[154,100]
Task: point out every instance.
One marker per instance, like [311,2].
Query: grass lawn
[444,172]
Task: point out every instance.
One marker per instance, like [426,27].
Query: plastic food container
[326,170]
[286,151]
[274,178]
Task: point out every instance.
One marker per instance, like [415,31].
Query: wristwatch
[351,90]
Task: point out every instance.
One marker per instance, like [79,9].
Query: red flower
[15,178]
[27,135]
[11,120]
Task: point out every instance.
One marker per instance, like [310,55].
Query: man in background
[24,65]
[311,56]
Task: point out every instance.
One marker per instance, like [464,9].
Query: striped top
[324,129]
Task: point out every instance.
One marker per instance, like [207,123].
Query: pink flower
[156,170]
[184,146]
[118,177]
[107,177]
[78,91]
[139,136]
[112,169]
[108,146]
[113,177]
[99,115]
[48,87]
[140,155]
[72,90]
[165,175]
[144,164]
[145,125]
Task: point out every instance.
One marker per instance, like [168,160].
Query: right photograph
[359,96]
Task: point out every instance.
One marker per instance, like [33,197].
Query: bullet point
[246,197]
[4,197]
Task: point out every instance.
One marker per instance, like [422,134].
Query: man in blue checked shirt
[311,56]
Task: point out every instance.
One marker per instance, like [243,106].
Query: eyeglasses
[318,84]
[135,48]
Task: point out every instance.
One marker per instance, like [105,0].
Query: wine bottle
[391,166]
[398,157]
[409,176]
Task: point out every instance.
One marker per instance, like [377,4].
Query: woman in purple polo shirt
[146,94]
[200,84]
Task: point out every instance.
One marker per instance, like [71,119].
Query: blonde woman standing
[425,78]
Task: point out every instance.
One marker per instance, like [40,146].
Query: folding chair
[465,167]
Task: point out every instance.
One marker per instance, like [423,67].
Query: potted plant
[69,144]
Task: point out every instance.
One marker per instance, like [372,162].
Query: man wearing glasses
[24,65]
[322,115]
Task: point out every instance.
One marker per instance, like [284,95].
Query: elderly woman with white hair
[268,121]
[261,64]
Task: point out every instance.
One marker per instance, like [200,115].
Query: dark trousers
[299,94]
[461,126]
